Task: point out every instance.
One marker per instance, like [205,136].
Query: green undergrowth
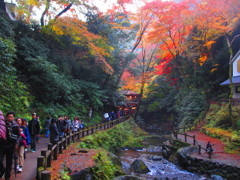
[127,134]
[105,168]
[219,126]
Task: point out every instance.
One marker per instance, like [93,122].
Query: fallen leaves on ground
[76,162]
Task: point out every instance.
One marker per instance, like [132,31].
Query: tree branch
[63,11]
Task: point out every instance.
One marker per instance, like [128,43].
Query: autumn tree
[212,23]
[170,28]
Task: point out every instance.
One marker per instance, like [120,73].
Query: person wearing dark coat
[54,134]
[34,130]
[61,125]
[9,146]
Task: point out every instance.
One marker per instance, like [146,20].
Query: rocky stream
[156,167]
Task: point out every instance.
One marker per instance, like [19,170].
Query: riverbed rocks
[155,158]
[128,177]
[152,148]
[138,166]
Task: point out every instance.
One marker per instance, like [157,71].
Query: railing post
[64,143]
[49,158]
[185,137]
[199,149]
[40,163]
[45,175]
[194,140]
[73,137]
[55,152]
[50,145]
[69,140]
[44,154]
[60,145]
[83,133]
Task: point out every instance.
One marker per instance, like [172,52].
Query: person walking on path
[26,131]
[2,127]
[9,146]
[90,113]
[21,147]
[34,130]
[75,124]
[209,147]
[61,124]
[54,134]
[68,125]
[47,125]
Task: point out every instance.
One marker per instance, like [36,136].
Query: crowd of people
[110,116]
[17,135]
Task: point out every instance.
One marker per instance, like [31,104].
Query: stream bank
[152,156]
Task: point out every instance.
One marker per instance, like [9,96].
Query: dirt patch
[74,160]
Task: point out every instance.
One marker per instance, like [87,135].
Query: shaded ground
[219,155]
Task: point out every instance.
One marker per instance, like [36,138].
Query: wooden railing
[44,161]
[235,101]
[195,143]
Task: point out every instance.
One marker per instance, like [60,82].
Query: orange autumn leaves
[79,34]
[178,26]
[186,30]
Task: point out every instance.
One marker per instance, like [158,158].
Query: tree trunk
[140,101]
[45,12]
[231,83]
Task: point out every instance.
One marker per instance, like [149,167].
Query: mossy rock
[179,144]
[117,163]
[139,166]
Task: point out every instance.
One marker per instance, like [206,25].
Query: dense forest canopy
[71,56]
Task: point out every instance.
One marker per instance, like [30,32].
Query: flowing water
[159,167]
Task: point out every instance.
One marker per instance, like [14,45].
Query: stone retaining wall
[205,166]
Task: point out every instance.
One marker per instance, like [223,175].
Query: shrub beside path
[219,154]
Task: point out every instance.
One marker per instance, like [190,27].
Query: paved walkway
[30,164]
[219,155]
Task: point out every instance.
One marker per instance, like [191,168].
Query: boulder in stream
[216,177]
[139,166]
[155,158]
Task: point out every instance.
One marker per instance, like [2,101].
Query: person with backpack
[2,127]
[34,130]
[9,145]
